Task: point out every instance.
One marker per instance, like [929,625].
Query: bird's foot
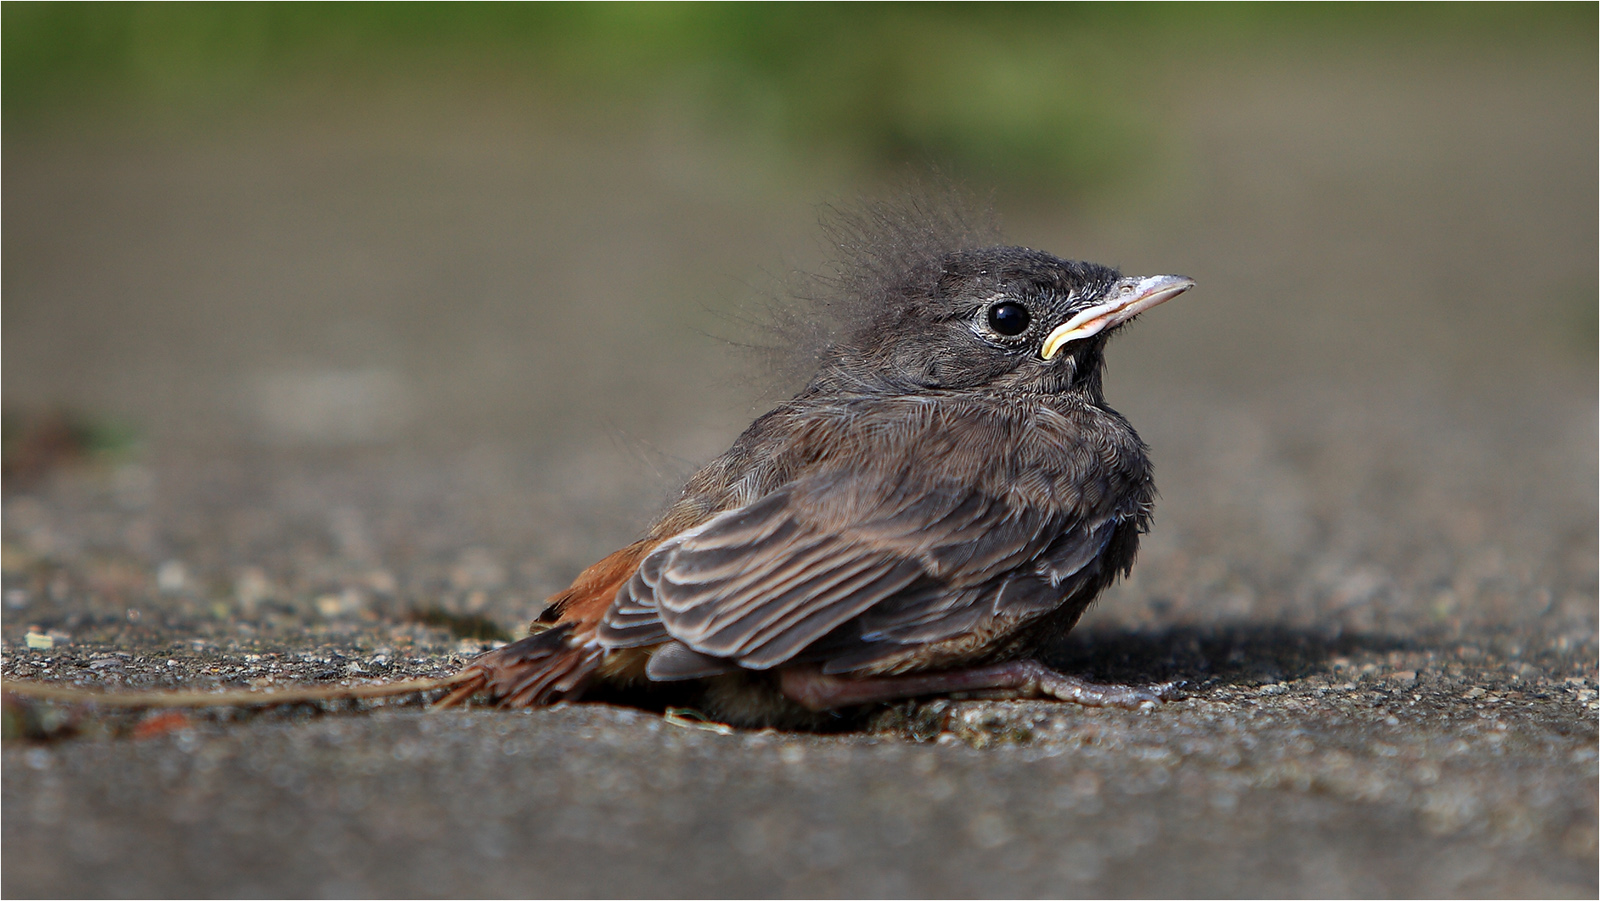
[1015,680]
[1039,681]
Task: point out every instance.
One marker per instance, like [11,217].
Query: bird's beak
[1129,298]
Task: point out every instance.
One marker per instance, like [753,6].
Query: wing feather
[848,566]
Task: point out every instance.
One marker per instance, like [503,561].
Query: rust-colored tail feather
[586,600]
[540,669]
[553,664]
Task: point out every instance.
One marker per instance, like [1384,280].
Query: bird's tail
[543,668]
[558,662]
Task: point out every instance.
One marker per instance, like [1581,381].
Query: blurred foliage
[34,442]
[1026,94]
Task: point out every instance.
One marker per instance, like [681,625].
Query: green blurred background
[356,224]
[1060,99]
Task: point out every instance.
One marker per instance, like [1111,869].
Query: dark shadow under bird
[947,495]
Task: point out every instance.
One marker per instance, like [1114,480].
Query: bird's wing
[937,613]
[759,584]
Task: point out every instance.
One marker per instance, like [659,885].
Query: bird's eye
[1009,318]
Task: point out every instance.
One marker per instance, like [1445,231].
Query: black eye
[1009,318]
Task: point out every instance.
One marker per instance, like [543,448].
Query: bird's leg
[1018,679]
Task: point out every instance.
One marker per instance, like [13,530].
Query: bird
[942,500]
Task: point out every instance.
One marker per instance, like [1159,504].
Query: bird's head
[1000,317]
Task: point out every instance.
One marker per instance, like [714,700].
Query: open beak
[1129,298]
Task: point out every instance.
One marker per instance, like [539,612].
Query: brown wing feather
[760,584]
[911,524]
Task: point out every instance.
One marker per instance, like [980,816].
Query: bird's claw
[1063,687]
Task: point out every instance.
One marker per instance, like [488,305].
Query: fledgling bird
[946,496]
